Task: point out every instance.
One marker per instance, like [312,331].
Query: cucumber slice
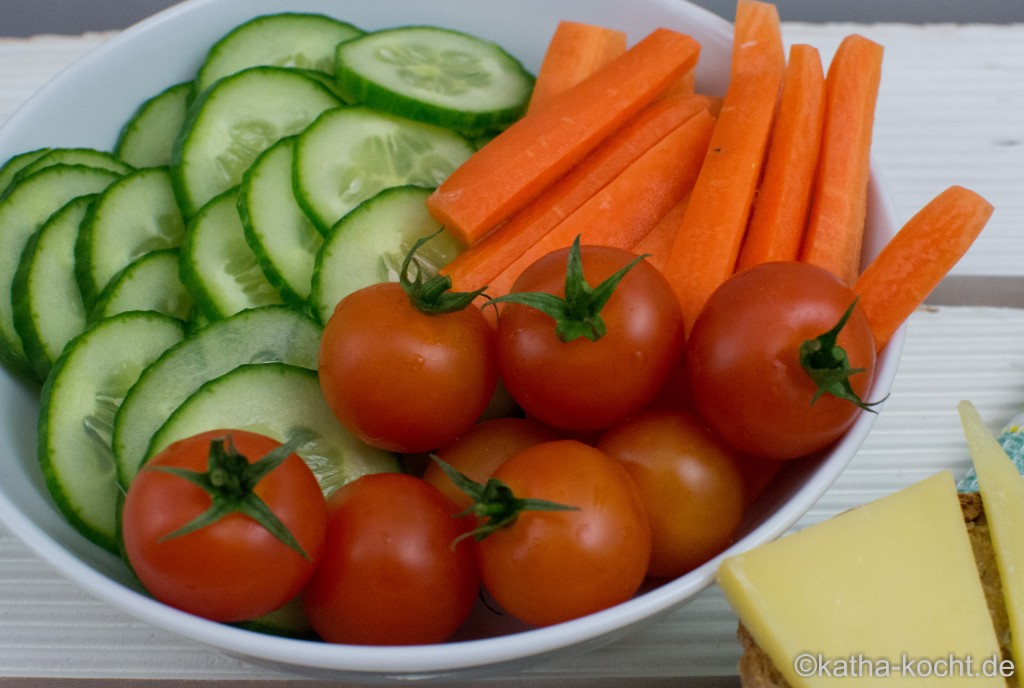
[234,121]
[278,400]
[48,309]
[133,216]
[370,243]
[147,138]
[79,401]
[29,202]
[150,283]
[349,154]
[90,157]
[278,232]
[285,39]
[436,75]
[261,335]
[15,164]
[217,266]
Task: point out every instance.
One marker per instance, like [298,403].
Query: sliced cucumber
[150,283]
[15,164]
[29,202]
[48,309]
[133,216]
[285,39]
[217,266]
[278,232]
[147,138]
[277,400]
[234,121]
[90,157]
[370,243]
[436,75]
[79,401]
[349,154]
[261,335]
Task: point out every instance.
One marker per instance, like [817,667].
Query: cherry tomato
[481,449]
[690,483]
[389,574]
[552,566]
[581,384]
[744,359]
[402,379]
[234,569]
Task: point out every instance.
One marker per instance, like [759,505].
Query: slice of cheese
[1002,492]
[886,594]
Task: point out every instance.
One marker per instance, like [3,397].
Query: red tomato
[481,449]
[584,385]
[743,358]
[690,483]
[389,574]
[402,379]
[552,566]
[234,569]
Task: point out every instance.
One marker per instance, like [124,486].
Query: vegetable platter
[155,48]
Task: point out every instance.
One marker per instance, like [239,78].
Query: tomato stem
[432,294]
[230,479]
[828,365]
[579,313]
[494,504]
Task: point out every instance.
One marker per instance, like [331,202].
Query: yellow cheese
[1002,492]
[886,594]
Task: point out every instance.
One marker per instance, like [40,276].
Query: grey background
[28,17]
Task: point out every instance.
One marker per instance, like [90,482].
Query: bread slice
[757,670]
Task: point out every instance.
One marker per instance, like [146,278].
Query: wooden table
[950,111]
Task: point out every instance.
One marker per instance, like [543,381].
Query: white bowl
[86,106]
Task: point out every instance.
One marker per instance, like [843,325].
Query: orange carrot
[657,242]
[707,242]
[575,51]
[835,228]
[910,266]
[625,210]
[779,218]
[522,160]
[477,265]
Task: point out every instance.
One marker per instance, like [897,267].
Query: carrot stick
[783,200]
[625,210]
[477,265]
[835,228]
[657,242]
[910,266]
[575,51]
[518,163]
[707,243]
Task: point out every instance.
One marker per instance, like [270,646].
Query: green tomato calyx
[432,294]
[828,365]
[494,504]
[579,313]
[230,479]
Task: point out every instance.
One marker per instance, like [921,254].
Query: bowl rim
[491,653]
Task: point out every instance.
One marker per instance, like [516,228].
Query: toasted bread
[757,670]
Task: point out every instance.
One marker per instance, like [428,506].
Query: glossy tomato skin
[690,482]
[233,570]
[479,451]
[389,574]
[401,379]
[585,385]
[552,566]
[743,359]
